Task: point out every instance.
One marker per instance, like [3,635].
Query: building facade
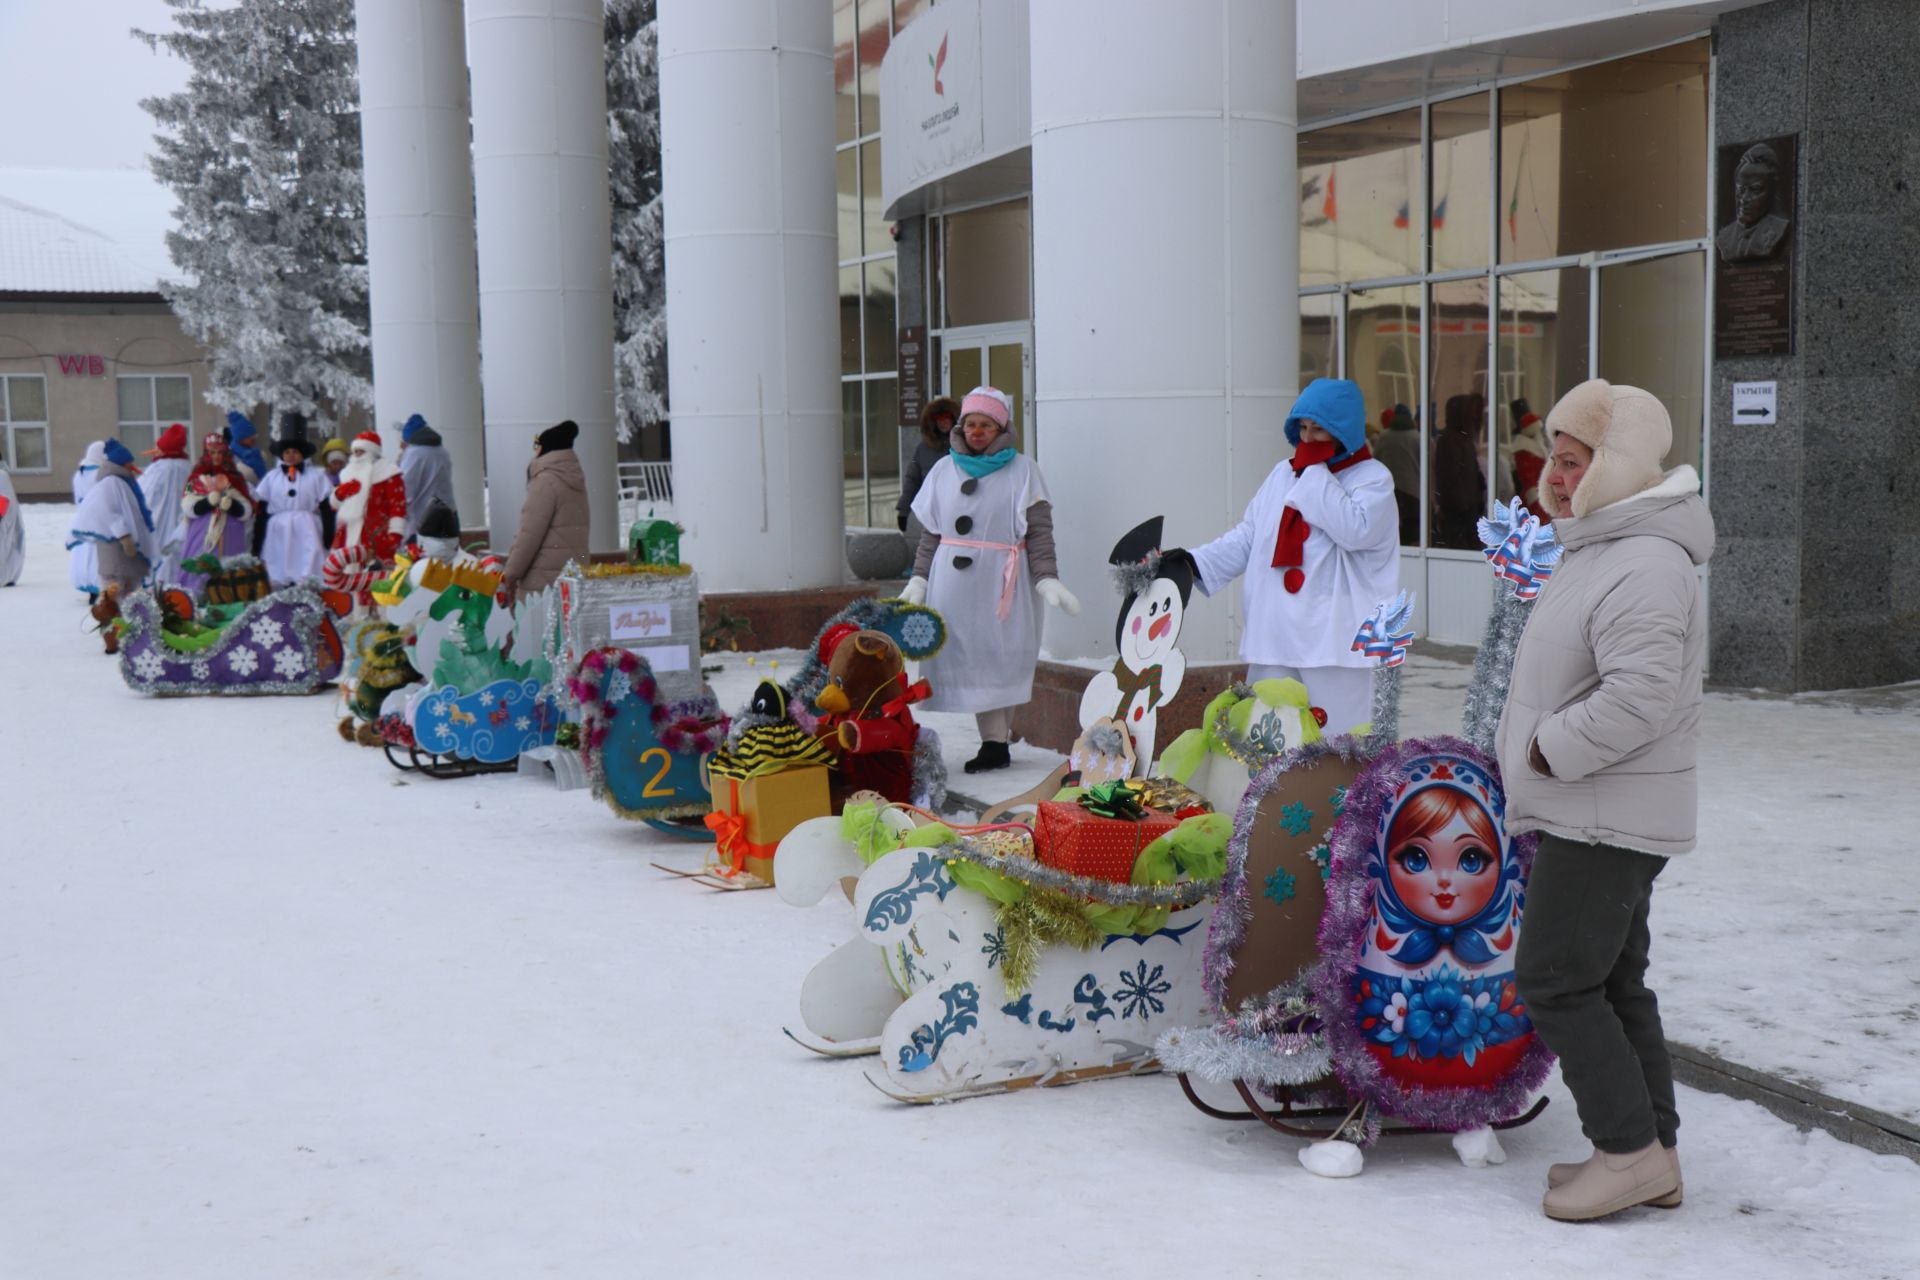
[1478,206]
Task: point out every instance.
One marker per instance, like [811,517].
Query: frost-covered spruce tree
[639,262]
[262,151]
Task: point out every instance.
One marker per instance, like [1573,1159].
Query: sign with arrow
[1753,403]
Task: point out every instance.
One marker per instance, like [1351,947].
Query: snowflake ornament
[1279,885]
[266,632]
[149,665]
[243,661]
[288,662]
[202,669]
[1296,818]
[522,723]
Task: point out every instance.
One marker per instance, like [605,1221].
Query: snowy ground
[272,1010]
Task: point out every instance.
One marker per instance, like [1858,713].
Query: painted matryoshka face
[1447,877]
[1152,628]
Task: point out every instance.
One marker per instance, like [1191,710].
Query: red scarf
[1289,548]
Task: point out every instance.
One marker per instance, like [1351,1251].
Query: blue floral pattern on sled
[962,1008]
[895,906]
[1445,1015]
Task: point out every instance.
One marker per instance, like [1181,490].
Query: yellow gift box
[751,816]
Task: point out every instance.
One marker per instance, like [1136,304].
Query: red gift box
[1083,843]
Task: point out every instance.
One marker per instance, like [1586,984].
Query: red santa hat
[371,439]
[171,444]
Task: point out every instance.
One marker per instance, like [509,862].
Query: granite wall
[1816,581]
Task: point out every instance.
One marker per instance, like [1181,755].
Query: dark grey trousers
[1581,970]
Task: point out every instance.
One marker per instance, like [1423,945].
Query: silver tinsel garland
[1493,670]
[1029,871]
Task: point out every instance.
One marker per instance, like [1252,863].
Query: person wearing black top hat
[553,519]
[290,498]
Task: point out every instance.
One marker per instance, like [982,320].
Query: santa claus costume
[370,500]
[163,482]
[218,509]
[290,496]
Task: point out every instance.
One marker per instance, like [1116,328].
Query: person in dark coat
[1459,488]
[936,425]
[553,519]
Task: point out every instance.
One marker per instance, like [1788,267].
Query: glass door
[996,356]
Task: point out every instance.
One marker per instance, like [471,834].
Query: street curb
[1804,1108]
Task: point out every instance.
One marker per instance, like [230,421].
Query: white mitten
[915,592]
[1055,593]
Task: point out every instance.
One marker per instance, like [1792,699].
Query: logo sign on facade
[84,366]
[649,621]
[1754,403]
[931,85]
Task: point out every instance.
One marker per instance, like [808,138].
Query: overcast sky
[70,96]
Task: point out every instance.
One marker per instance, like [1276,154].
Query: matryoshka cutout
[1423,923]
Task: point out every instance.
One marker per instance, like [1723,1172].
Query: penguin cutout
[1150,667]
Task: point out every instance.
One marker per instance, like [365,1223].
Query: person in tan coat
[1597,750]
[553,519]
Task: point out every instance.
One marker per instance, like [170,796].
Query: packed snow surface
[272,1009]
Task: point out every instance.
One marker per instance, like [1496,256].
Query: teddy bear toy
[866,711]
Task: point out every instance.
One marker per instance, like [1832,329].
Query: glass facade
[869,361]
[1562,236]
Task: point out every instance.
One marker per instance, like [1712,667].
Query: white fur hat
[1629,433]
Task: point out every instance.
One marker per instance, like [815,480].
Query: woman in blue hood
[1319,549]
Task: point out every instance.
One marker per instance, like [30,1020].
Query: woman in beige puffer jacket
[553,519]
[1597,750]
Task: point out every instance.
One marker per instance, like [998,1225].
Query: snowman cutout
[1150,666]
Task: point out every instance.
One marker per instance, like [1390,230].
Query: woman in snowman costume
[1319,546]
[986,554]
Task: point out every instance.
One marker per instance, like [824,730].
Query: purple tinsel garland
[1228,928]
[1344,924]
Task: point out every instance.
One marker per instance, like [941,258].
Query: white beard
[353,511]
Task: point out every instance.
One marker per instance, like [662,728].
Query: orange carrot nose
[833,700]
[1160,626]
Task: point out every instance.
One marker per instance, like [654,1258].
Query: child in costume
[1319,546]
[986,554]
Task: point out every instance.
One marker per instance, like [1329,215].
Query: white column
[546,245]
[1165,269]
[420,264]
[746,116]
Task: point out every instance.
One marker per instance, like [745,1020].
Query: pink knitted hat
[989,401]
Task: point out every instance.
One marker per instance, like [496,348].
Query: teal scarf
[982,464]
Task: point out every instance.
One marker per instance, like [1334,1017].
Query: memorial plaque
[913,395]
[1753,248]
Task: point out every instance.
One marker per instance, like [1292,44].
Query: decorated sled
[281,643]
[484,697]
[1360,965]
[977,968]
[642,752]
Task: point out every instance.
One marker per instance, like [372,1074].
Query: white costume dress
[13,538]
[988,660]
[111,511]
[83,563]
[291,507]
[164,483]
[1351,563]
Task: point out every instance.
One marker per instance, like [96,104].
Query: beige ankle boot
[1609,1183]
[1559,1175]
